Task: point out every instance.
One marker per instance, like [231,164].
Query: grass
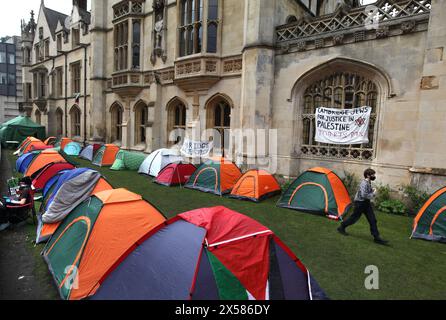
[409,269]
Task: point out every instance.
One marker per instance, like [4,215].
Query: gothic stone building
[137,69]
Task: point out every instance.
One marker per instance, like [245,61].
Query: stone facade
[260,62]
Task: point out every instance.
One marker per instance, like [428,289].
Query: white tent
[159,159]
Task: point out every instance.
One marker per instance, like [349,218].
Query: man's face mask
[372,178]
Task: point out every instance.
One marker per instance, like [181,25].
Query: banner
[192,149]
[343,126]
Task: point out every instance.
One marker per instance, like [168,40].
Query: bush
[392,206]
[417,198]
[286,185]
[382,194]
[351,182]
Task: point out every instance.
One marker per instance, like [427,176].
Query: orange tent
[47,230]
[217,175]
[64,142]
[41,160]
[106,155]
[93,238]
[256,185]
[33,145]
[24,144]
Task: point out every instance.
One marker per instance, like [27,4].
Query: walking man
[364,206]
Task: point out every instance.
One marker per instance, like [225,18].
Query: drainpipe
[85,46]
[66,92]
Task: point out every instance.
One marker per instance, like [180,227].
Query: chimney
[81,4]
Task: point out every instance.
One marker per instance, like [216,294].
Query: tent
[175,174]
[106,155]
[51,141]
[216,175]
[126,160]
[209,254]
[50,184]
[24,161]
[33,144]
[42,159]
[70,194]
[18,129]
[72,149]
[318,190]
[89,152]
[430,223]
[46,173]
[256,185]
[159,159]
[63,142]
[94,236]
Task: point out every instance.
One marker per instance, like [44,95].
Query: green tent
[126,160]
[18,129]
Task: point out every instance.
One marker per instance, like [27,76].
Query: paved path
[23,274]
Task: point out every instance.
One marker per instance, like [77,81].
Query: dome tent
[430,223]
[94,236]
[106,155]
[318,190]
[175,174]
[89,152]
[73,149]
[24,161]
[67,197]
[126,160]
[217,176]
[42,159]
[191,257]
[256,185]
[46,173]
[159,159]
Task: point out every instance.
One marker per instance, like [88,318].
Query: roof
[21,121]
[53,17]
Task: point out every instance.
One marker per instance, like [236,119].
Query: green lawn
[409,269]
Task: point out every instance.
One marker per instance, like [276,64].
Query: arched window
[219,119]
[59,122]
[176,118]
[38,116]
[116,112]
[341,90]
[141,119]
[75,120]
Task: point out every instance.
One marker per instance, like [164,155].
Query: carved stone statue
[159,30]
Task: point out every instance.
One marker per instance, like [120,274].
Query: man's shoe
[4,226]
[342,231]
[381,241]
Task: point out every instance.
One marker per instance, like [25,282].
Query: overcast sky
[13,11]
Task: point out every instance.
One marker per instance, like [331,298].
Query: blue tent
[73,149]
[51,182]
[24,161]
[70,174]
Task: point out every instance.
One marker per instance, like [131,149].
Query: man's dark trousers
[363,207]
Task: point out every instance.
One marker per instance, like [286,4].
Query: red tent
[209,254]
[41,177]
[175,174]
